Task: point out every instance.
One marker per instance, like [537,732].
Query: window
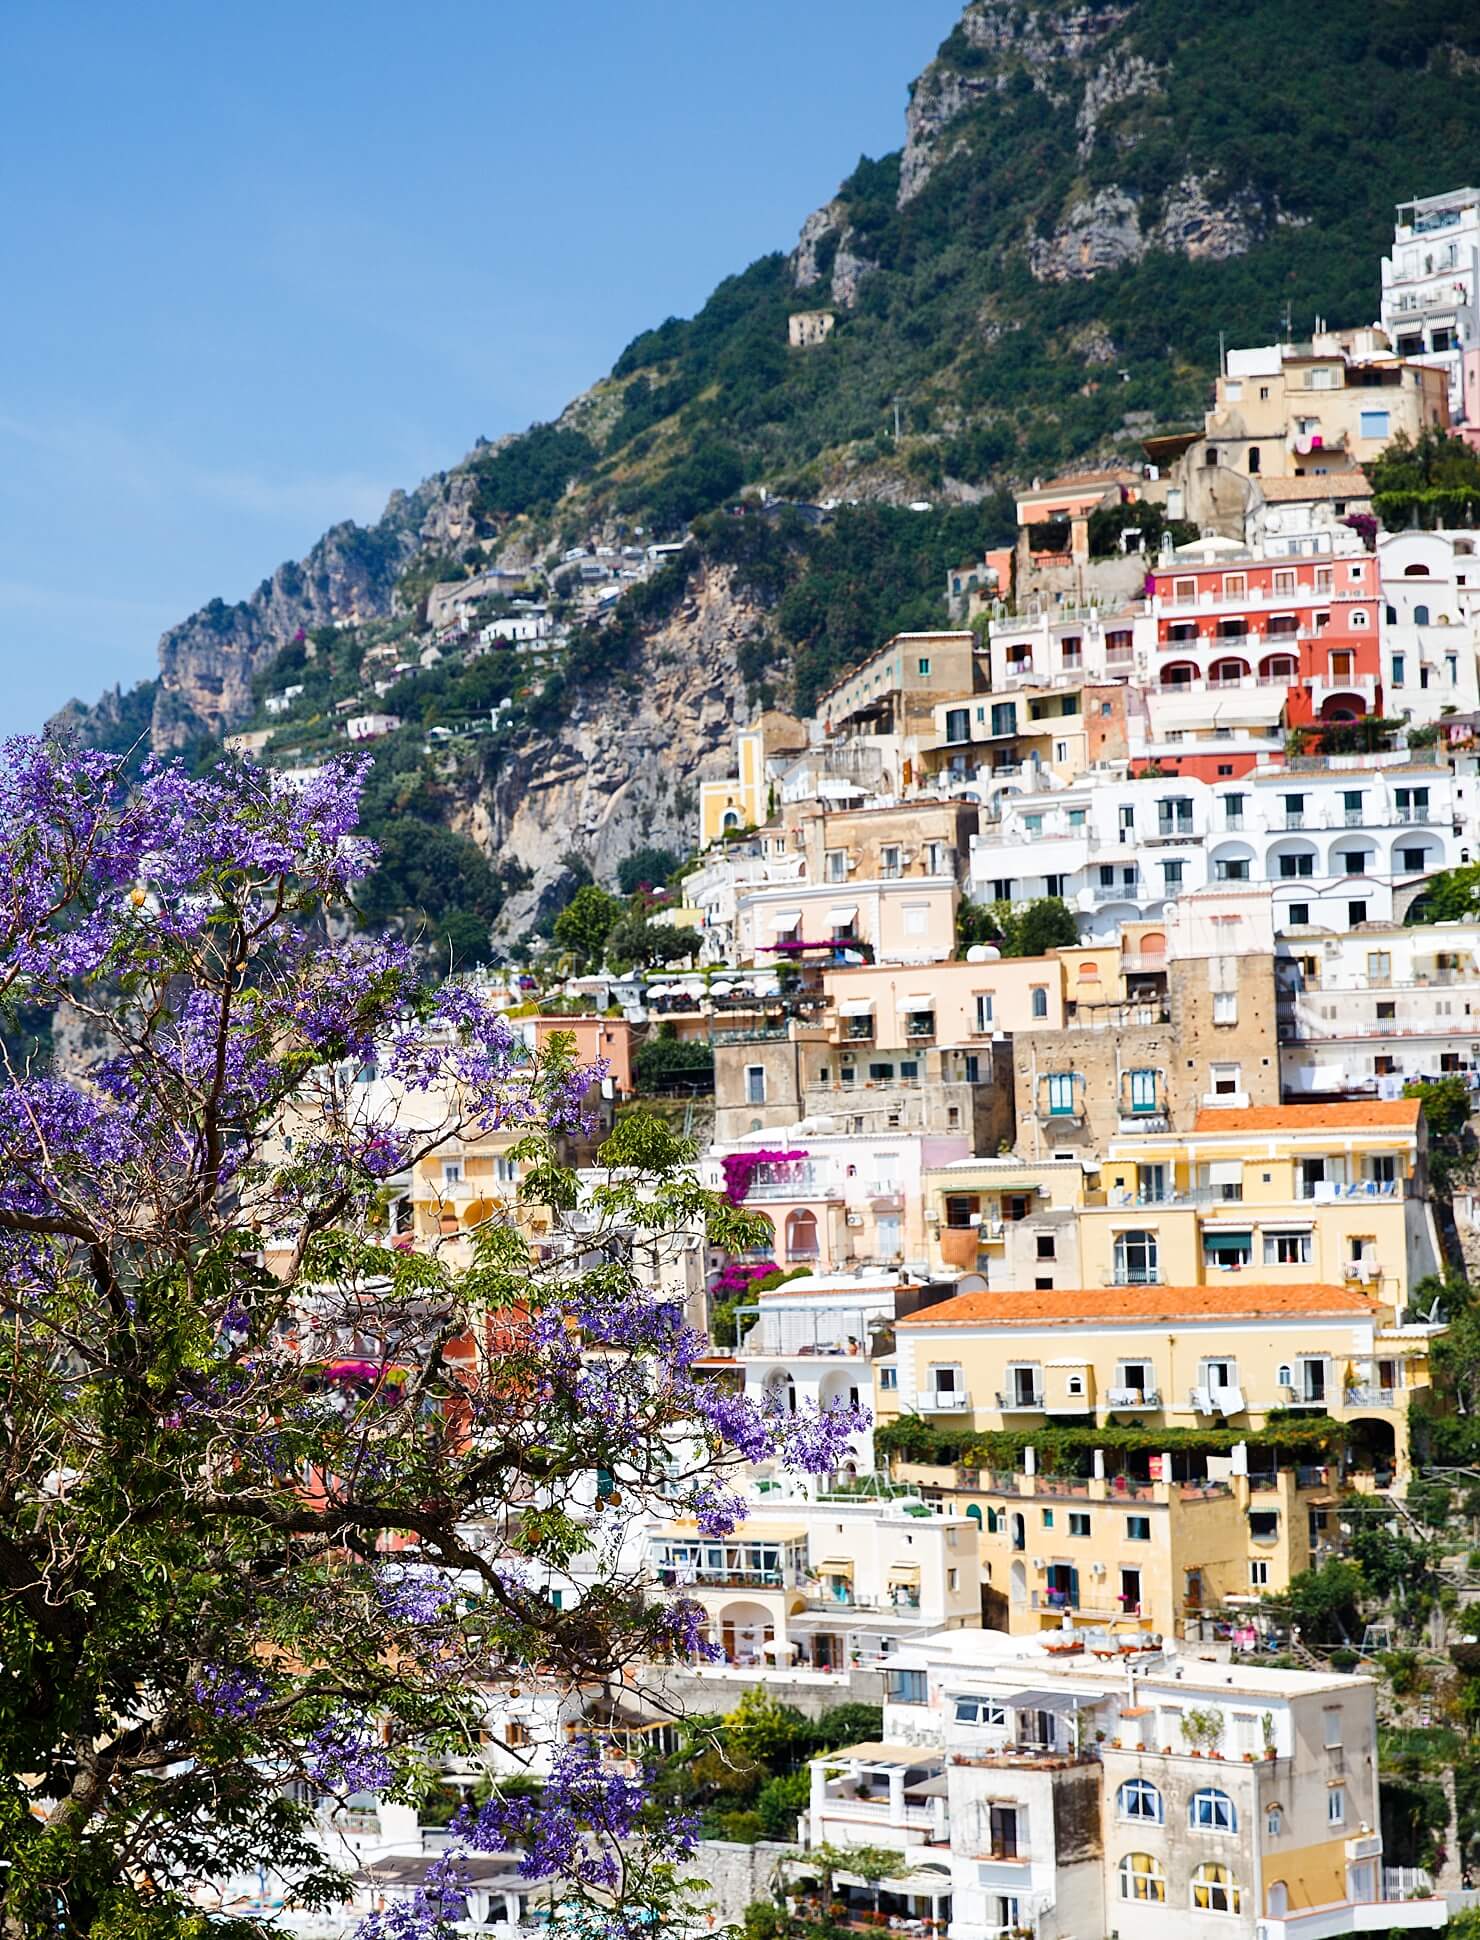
[1143,1091]
[1412,860]
[1046,1246]
[1299,915]
[1141,1878]
[924,665]
[1136,1259]
[1228,1249]
[958,724]
[905,1687]
[1297,865]
[1227,1080]
[755,1084]
[889,1379]
[1138,1529]
[1399,665]
[1046,1518]
[1138,1799]
[1061,1094]
[953,1579]
[452,1172]
[1078,1522]
[1233,811]
[1040,1001]
[1225,1006]
[1331,1726]
[1171,876]
[1374,424]
[1231,869]
[1218,1376]
[1214,1891]
[1211,1811]
[1258,1572]
[889,862]
[1356,913]
[1336,1805]
[984,1010]
[1264,1525]
[970,1710]
[1287,1249]
[835,865]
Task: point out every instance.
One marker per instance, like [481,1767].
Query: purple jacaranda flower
[344,1755]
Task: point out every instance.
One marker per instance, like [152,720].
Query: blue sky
[265,262]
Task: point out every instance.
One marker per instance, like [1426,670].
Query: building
[1362,1015]
[1154,1541]
[743,800]
[1431,612]
[1334,839]
[804,328]
[840,1580]
[835,1200]
[1430,293]
[1007,1221]
[370,727]
[1289,410]
[1334,1192]
[1091,1793]
[888,702]
[1228,619]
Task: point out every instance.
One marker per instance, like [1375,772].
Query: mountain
[1086,196]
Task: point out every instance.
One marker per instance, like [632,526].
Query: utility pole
[896,420]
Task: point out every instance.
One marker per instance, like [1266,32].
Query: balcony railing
[942,1401]
[1020,1402]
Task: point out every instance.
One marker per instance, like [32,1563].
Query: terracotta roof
[1065,1306]
[1316,485]
[1351,1115]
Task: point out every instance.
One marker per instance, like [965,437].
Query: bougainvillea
[740,1168]
[286,1502]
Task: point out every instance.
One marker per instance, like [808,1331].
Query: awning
[938,1787]
[857,1007]
[836,1566]
[1226,1172]
[784,918]
[1228,1242]
[1049,1700]
[844,913]
[918,1002]
[904,1572]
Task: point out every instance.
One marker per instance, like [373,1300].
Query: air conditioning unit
[1039,1563]
[855,1219]
[1097,1569]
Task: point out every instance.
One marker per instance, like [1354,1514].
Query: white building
[1430,285]
[1431,610]
[1360,1016]
[370,727]
[1069,643]
[1333,841]
[1080,1785]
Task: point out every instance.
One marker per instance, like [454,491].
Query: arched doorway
[781,1388]
[744,1631]
[801,1236]
[1372,1449]
[1019,1582]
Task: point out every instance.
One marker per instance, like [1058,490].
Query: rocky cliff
[622,769]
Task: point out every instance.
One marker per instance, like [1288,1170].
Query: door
[1130,1592]
[1004,1832]
[889,1233]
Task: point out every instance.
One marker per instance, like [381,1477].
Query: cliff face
[622,770]
[207,663]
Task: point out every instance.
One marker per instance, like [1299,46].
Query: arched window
[1420,614]
[1211,1811]
[1274,1821]
[1135,1259]
[1416,571]
[1040,1002]
[801,1235]
[731,819]
[1141,1878]
[1139,1799]
[1392,616]
[1253,458]
[974,1514]
[1214,1890]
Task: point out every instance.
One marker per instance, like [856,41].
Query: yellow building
[743,800]
[1285,1193]
[1109,1526]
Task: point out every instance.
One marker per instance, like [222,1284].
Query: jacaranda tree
[281,1500]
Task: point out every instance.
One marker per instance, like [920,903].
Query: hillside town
[1078,1006]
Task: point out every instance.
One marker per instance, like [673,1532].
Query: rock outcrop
[1107,230]
[622,769]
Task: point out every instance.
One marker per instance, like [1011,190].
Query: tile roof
[1348,1115]
[1316,485]
[1065,1306]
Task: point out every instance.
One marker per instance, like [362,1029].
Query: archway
[1372,1449]
[1179,673]
[1343,707]
[1019,1581]
[780,1385]
[801,1235]
[1229,672]
[1279,666]
[744,1631]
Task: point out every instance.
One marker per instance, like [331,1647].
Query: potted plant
[1266,1725]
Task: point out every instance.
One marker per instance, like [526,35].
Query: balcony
[1362,1396]
[1023,1402]
[1133,1398]
[793,1182]
[942,1401]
